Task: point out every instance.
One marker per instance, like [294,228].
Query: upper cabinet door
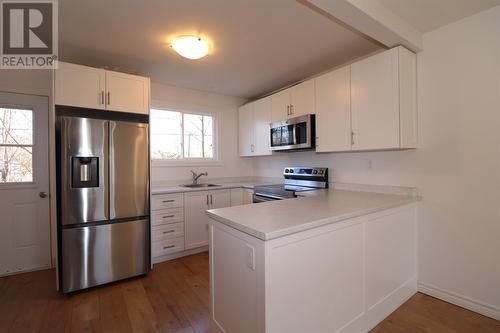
[261,120]
[375,101]
[82,86]
[127,93]
[333,111]
[245,130]
[302,99]
[280,105]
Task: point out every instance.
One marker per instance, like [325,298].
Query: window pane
[16,126]
[166,134]
[198,134]
[16,164]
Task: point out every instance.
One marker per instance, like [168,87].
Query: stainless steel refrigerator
[103,200]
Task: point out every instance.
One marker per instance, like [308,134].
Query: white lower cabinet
[167,224]
[196,219]
[342,277]
[241,196]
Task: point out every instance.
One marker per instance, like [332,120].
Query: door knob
[42,194]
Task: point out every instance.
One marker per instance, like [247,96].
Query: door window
[16,145]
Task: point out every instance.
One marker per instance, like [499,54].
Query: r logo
[27,28]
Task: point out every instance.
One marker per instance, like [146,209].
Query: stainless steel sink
[199,185]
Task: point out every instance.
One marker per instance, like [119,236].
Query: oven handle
[294,134]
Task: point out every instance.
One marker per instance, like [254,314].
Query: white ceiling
[427,15]
[258,45]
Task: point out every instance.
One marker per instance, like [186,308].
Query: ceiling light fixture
[191,47]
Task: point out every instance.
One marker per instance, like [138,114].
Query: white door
[280,105]
[220,199]
[24,183]
[127,93]
[246,130]
[261,120]
[333,111]
[77,85]
[236,196]
[302,99]
[196,219]
[375,101]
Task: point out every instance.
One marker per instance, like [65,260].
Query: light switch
[250,257]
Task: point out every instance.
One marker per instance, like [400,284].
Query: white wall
[231,165]
[456,168]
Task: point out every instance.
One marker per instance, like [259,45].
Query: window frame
[33,182]
[190,161]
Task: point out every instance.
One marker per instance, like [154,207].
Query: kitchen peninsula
[338,261]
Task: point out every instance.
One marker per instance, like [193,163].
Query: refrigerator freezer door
[104,253]
[129,169]
[83,145]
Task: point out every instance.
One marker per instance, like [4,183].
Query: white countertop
[179,189]
[269,220]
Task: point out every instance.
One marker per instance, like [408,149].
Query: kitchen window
[182,136]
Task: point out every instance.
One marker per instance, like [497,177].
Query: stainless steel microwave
[294,133]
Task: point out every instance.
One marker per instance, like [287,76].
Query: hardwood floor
[174,297]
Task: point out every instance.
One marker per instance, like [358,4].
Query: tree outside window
[16,145]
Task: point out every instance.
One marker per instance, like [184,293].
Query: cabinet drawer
[167,231]
[166,216]
[167,246]
[163,201]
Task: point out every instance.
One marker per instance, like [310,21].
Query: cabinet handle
[168,232]
[168,247]
[211,201]
[102,97]
[167,216]
[288,110]
[291,109]
[252,148]
[108,98]
[352,138]
[165,201]
[207,199]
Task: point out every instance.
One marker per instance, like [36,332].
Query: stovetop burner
[296,180]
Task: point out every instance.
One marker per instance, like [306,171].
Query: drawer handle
[165,201]
[167,216]
[168,247]
[168,232]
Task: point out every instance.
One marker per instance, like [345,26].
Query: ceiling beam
[372,19]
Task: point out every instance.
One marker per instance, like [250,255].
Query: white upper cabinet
[302,99]
[254,130]
[383,101]
[333,111]
[127,93]
[293,102]
[261,126]
[81,86]
[280,105]
[245,130]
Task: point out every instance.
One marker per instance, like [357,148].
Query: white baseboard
[462,301]
[177,255]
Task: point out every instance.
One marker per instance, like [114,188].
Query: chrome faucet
[196,176]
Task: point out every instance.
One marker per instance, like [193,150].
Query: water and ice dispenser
[85,172]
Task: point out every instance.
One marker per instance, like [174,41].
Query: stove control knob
[320,172]
[291,170]
[315,172]
[287,171]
